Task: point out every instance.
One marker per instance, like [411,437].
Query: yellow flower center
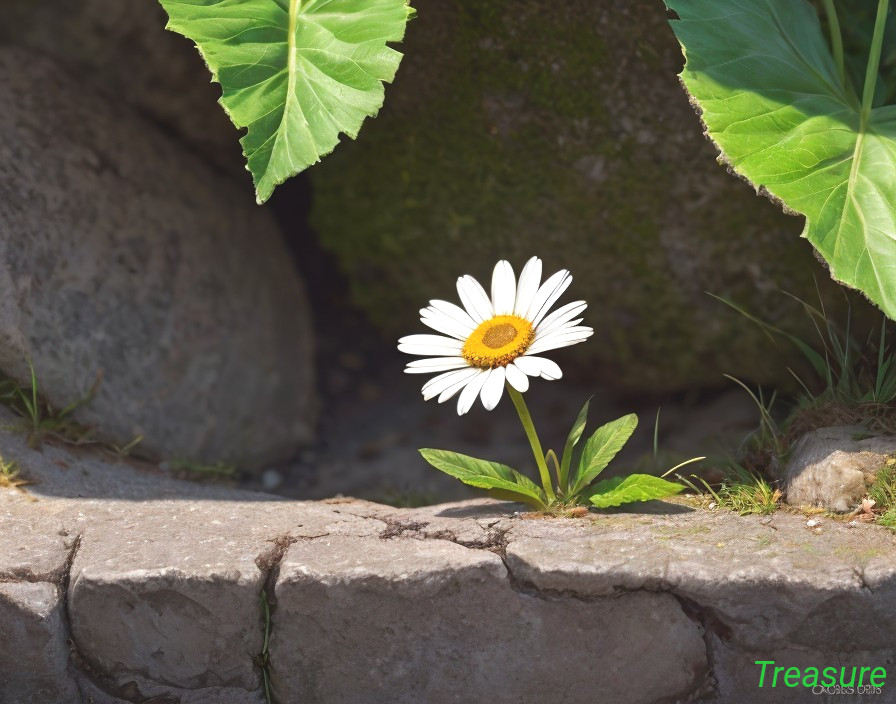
[498,341]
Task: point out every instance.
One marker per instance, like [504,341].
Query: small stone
[812,522]
[831,469]
[271,479]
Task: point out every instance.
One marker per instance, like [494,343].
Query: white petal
[458,385]
[530,277]
[548,294]
[541,295]
[437,340]
[454,311]
[471,391]
[429,350]
[435,364]
[560,316]
[493,388]
[444,324]
[539,366]
[439,384]
[503,288]
[517,379]
[474,298]
[430,345]
[561,338]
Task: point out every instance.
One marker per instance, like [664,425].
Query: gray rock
[124,50]
[122,255]
[33,648]
[833,467]
[403,620]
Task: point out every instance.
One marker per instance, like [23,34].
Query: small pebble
[712,505]
[812,522]
[271,479]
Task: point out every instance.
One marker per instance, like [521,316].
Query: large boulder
[532,127]
[123,255]
[123,49]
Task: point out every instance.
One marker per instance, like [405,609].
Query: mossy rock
[521,127]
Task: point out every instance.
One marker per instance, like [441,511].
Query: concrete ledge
[110,599]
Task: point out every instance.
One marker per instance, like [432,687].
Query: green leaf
[486,475]
[571,441]
[602,447]
[772,100]
[634,487]
[296,73]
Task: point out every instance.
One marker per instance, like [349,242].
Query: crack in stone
[860,574]
[706,684]
[128,692]
[268,563]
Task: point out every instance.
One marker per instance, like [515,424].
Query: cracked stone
[457,602]
[33,648]
[833,467]
[403,620]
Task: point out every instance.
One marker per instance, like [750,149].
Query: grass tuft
[43,420]
[11,475]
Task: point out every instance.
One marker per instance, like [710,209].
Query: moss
[559,129]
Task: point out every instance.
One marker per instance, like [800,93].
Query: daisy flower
[490,341]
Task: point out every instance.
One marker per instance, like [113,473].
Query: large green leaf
[634,487]
[507,482]
[773,100]
[602,447]
[296,73]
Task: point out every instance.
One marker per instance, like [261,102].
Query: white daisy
[495,340]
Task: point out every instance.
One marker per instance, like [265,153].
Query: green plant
[744,492]
[43,420]
[10,475]
[882,492]
[567,488]
[295,73]
[812,126]
[850,376]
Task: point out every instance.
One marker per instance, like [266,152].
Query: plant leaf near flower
[296,73]
[601,448]
[799,124]
[504,481]
[634,487]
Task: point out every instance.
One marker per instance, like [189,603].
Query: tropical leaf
[602,447]
[789,120]
[501,479]
[296,73]
[634,487]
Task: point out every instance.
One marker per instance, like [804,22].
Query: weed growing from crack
[263,659]
[43,420]
[10,475]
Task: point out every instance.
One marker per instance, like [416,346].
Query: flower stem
[836,38]
[529,427]
[877,41]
